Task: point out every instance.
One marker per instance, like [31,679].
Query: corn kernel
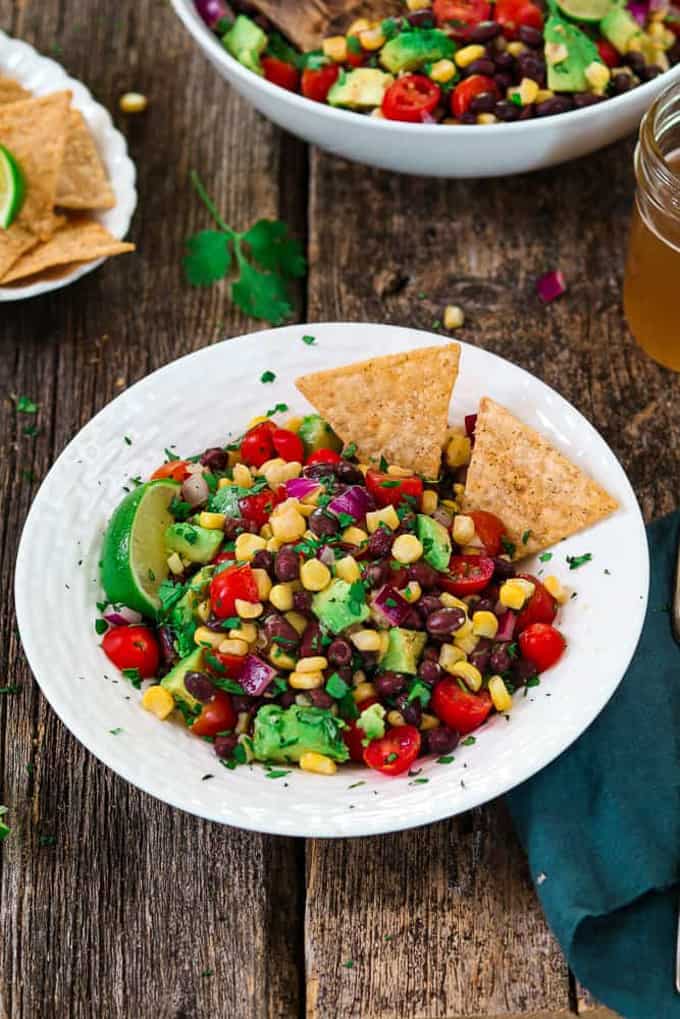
[133,102]
[543,94]
[387,516]
[471,549]
[280,659]
[306,509]
[203,611]
[315,663]
[395,471]
[264,584]
[468,54]
[207,638]
[463,530]
[412,592]
[248,609]
[467,643]
[354,536]
[274,544]
[278,472]
[224,483]
[212,521]
[418,5]
[362,692]
[428,722]
[305,680]
[335,48]
[293,424]
[314,575]
[484,118]
[289,525]
[516,48]
[555,52]
[449,601]
[246,632]
[348,569]
[266,532]
[454,317]
[527,90]
[358,25]
[395,718]
[242,476]
[158,701]
[281,597]
[366,640]
[553,586]
[484,624]
[597,76]
[372,38]
[318,764]
[384,643]
[429,501]
[458,450]
[297,621]
[407,549]
[358,677]
[257,420]
[232,646]
[175,564]
[469,673]
[502,701]
[449,656]
[514,593]
[443,71]
[242,722]
[247,545]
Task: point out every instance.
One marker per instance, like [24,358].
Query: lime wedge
[134,559]
[585,10]
[12,188]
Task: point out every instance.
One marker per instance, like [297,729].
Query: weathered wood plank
[136,910]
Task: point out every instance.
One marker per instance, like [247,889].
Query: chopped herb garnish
[383,464]
[355,785]
[349,450]
[100,626]
[170,456]
[545,557]
[267,376]
[276,773]
[239,754]
[180,509]
[127,440]
[419,781]
[534,681]
[391,757]
[309,340]
[115,732]
[354,45]
[134,676]
[336,686]
[230,623]
[508,546]
[349,964]
[280,408]
[207,972]
[419,691]
[468,741]
[512,650]
[525,537]
[26,406]
[579,560]
[446,759]
[390,484]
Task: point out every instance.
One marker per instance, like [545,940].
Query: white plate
[41,75]
[198,402]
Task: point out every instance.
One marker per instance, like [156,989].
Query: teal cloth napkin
[601,824]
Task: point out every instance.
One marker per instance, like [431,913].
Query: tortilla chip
[395,406]
[14,243]
[34,131]
[82,183]
[11,91]
[518,475]
[80,240]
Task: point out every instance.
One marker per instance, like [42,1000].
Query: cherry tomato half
[460,709]
[224,557]
[317,82]
[395,752]
[356,55]
[542,644]
[236,582]
[467,574]
[177,470]
[223,665]
[323,456]
[490,529]
[288,445]
[133,647]
[256,509]
[461,15]
[609,54]
[411,98]
[389,491]
[512,14]
[280,73]
[541,607]
[257,446]
[353,734]
[216,716]
[465,92]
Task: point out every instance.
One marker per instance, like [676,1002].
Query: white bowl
[43,75]
[432,150]
[195,403]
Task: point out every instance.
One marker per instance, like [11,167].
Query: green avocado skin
[284,735]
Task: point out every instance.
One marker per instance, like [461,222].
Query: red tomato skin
[512,14]
[609,54]
[411,99]
[317,82]
[461,15]
[281,73]
[257,508]
[490,529]
[176,470]
[393,494]
[232,583]
[353,735]
[402,740]
[132,647]
[217,715]
[459,709]
[288,445]
[257,446]
[323,456]
[223,665]
[456,582]
[541,607]
[542,645]
[466,90]
[355,59]
[224,557]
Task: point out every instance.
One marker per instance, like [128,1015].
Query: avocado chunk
[372,722]
[184,617]
[403,650]
[340,605]
[410,50]
[318,434]
[435,541]
[285,734]
[574,50]
[197,544]
[620,28]
[361,89]
[246,42]
[173,682]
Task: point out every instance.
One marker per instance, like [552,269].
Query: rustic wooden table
[114,905]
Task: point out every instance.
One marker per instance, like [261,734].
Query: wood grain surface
[115,905]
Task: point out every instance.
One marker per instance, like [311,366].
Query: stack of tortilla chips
[64,180]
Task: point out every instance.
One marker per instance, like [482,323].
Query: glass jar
[650,296]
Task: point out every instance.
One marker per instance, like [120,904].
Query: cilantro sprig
[264,259]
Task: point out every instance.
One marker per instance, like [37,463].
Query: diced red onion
[396,612]
[470,424]
[195,490]
[640,11]
[658,5]
[300,488]
[212,10]
[550,285]
[255,675]
[355,501]
[326,555]
[121,615]
[506,626]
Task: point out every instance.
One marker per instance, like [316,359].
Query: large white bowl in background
[198,402]
[430,149]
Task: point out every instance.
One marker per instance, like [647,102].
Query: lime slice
[12,188]
[585,10]
[134,559]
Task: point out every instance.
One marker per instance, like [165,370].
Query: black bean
[398,576]
[407,523]
[527,112]
[634,60]
[421,19]
[503,81]
[500,660]
[287,698]
[389,684]
[423,574]
[531,36]
[263,560]
[583,99]
[411,711]
[198,684]
[167,644]
[480,660]
[275,626]
[242,702]
[224,745]
[505,110]
[233,526]
[485,31]
[483,102]
[522,670]
[650,72]
[444,622]
[431,653]
[413,621]
[429,672]
[380,542]
[483,66]
[319,472]
[443,516]
[377,574]
[504,61]
[349,473]
[621,83]
[553,106]
[468,118]
[320,699]
[441,740]
[311,645]
[323,523]
[429,603]
[302,602]
[531,66]
[215,458]
[484,605]
[339,652]
[287,565]
[502,568]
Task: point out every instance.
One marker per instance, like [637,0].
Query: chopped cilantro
[534,681]
[228,685]
[336,686]
[419,691]
[357,597]
[239,754]
[170,456]
[446,759]
[579,560]
[545,557]
[134,677]
[349,450]
[391,758]
[151,575]
[515,98]
[279,408]
[127,440]
[508,547]
[207,972]
[436,324]
[390,484]
[309,340]
[115,732]
[100,626]
[349,964]
[267,376]
[276,773]
[345,520]
[468,741]
[525,537]
[354,45]
[355,785]
[169,594]
[180,509]
[348,708]
[26,406]
[419,781]
[383,464]
[230,623]
[512,650]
